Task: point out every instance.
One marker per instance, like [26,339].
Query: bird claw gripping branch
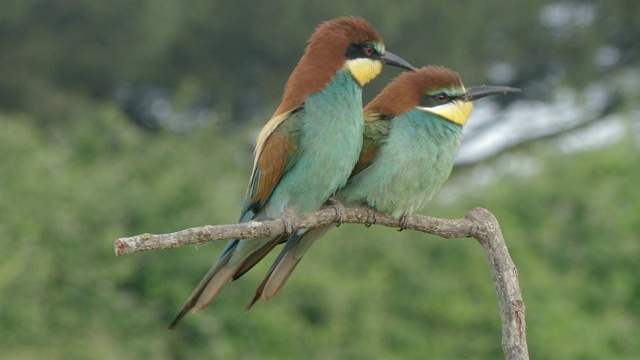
[341,212]
[371,216]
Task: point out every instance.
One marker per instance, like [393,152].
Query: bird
[412,135]
[308,148]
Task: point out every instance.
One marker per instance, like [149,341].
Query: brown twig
[478,223]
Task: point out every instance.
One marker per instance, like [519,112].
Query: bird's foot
[341,212]
[286,221]
[371,216]
[404,222]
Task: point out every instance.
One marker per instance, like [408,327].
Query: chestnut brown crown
[407,90]
[326,53]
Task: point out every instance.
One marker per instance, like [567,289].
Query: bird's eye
[368,50]
[441,98]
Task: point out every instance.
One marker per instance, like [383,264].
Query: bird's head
[433,89]
[349,43]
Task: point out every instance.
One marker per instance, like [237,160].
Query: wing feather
[376,130]
[276,150]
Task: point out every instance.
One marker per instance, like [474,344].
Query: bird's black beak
[477,92]
[390,59]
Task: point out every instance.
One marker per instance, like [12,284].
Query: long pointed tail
[287,260]
[236,259]
[207,290]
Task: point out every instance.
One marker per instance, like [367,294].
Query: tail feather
[277,276]
[293,251]
[280,275]
[213,287]
[257,256]
[207,290]
[237,258]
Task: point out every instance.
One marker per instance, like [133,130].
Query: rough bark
[478,223]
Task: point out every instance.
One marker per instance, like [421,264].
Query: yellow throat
[457,111]
[364,70]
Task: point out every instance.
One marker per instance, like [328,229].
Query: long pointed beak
[390,59]
[477,92]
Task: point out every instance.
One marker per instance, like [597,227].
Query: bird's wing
[276,151]
[376,131]
[375,134]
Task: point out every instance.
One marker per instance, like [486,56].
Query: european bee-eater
[411,138]
[307,150]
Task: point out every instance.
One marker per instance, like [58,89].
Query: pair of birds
[313,147]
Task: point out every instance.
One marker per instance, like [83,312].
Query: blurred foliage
[361,293]
[82,82]
[241,52]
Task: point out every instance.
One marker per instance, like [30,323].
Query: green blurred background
[120,117]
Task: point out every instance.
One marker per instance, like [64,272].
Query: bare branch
[478,223]
[505,278]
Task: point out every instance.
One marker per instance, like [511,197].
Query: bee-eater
[411,138]
[309,147]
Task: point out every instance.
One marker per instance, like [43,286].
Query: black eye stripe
[364,50]
[434,100]
[368,50]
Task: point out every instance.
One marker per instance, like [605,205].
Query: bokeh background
[124,117]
